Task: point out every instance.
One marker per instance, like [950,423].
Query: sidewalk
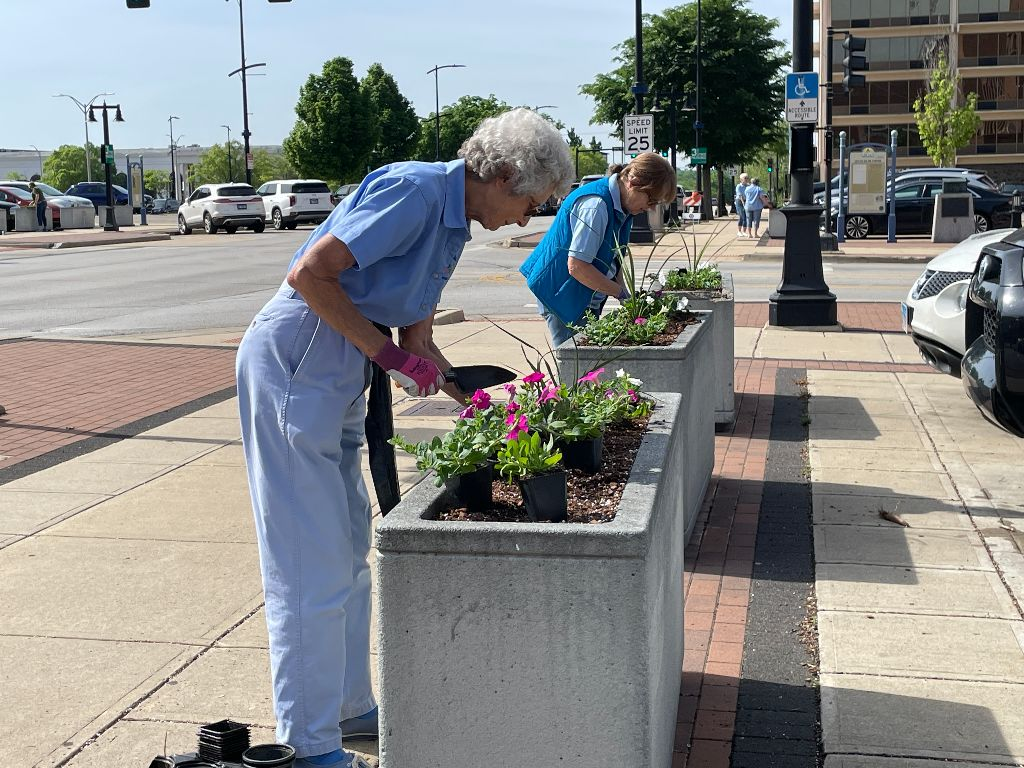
[131,590]
[80,238]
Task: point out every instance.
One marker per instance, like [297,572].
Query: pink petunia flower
[640,321]
[512,407]
[519,428]
[609,394]
[534,378]
[549,393]
[590,378]
[467,413]
[481,400]
[633,398]
[510,388]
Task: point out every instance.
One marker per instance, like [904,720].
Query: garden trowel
[470,378]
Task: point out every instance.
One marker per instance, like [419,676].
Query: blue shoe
[339,758]
[362,727]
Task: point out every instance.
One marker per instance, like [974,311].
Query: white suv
[231,206]
[291,202]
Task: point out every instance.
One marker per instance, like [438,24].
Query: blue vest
[547,269]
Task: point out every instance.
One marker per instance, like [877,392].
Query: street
[220,281]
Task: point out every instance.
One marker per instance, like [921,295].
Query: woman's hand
[418,339]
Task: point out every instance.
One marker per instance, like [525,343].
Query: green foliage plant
[66,165]
[527,455]
[944,126]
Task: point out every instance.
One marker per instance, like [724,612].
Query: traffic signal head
[854,61]
[664,153]
[770,168]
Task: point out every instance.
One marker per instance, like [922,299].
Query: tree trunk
[705,200]
[722,210]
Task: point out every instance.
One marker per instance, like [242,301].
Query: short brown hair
[653,174]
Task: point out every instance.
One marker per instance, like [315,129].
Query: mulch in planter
[592,498]
[675,326]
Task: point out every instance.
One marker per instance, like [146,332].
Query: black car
[992,370]
[96,191]
[915,206]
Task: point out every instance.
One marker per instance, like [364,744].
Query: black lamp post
[672,96]
[437,106]
[108,158]
[1016,201]
[231,175]
[641,232]
[245,95]
[698,126]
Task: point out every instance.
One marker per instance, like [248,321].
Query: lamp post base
[802,298]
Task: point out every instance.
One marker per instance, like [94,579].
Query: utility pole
[437,106]
[802,298]
[174,187]
[641,231]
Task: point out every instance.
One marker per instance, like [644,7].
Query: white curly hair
[521,142]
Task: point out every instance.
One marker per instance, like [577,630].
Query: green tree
[269,165]
[458,121]
[156,182]
[742,79]
[66,166]
[15,176]
[336,127]
[399,126]
[588,162]
[213,167]
[944,126]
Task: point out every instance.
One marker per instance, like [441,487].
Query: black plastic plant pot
[269,756]
[585,455]
[162,761]
[474,488]
[545,497]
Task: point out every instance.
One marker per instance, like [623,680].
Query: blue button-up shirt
[406,227]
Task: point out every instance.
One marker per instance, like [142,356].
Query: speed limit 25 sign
[638,133]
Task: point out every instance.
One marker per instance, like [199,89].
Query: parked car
[917,174]
[231,206]
[933,312]
[7,210]
[19,193]
[549,207]
[165,205]
[344,191]
[148,201]
[96,191]
[915,206]
[290,202]
[1008,188]
[993,366]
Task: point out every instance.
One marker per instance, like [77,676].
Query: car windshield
[239,190]
[311,186]
[48,190]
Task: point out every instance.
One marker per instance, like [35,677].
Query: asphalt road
[220,281]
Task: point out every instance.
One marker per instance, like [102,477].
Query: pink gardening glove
[417,375]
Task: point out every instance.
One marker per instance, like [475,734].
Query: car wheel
[857,227]
[183,228]
[292,224]
[208,226]
[231,230]
[258,227]
[278,220]
[981,223]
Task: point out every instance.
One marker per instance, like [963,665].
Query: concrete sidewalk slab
[832,406]
[878,459]
[864,421]
[76,476]
[947,647]
[124,589]
[823,438]
[878,761]
[851,509]
[923,591]
[251,633]
[874,482]
[913,717]
[24,512]
[906,547]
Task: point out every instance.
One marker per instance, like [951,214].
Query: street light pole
[39,156]
[231,175]
[437,106]
[85,117]
[111,225]
[245,95]
[697,125]
[641,231]
[174,168]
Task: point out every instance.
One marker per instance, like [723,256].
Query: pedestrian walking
[739,204]
[379,261]
[39,202]
[756,201]
[576,266]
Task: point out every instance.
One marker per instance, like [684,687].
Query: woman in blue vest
[576,266]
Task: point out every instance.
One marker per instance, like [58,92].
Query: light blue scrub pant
[300,396]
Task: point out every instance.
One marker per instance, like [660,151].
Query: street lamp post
[39,157]
[174,168]
[245,94]
[111,225]
[85,117]
[698,126]
[672,96]
[641,231]
[231,175]
[437,106]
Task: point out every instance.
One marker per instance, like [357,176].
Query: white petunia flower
[656,286]
[634,382]
[650,299]
[621,373]
[663,277]
[682,304]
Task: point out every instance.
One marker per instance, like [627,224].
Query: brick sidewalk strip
[59,393]
[719,562]
[880,316]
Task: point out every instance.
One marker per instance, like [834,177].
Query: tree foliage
[66,166]
[742,82]
[399,126]
[213,167]
[156,182]
[458,121]
[944,126]
[336,127]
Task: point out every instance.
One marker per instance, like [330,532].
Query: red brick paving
[59,392]
[883,317]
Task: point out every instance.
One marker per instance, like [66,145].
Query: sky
[174,58]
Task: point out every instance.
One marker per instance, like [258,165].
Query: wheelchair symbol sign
[802,97]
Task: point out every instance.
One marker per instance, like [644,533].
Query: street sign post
[638,133]
[802,97]
[699,156]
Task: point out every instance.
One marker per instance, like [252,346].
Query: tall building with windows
[984,41]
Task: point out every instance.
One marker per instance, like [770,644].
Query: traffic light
[632,155]
[771,169]
[138,3]
[664,153]
[854,62]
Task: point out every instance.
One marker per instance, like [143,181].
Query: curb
[8,242]
[449,316]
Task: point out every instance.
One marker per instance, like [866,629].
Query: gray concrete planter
[508,644]
[686,366]
[723,339]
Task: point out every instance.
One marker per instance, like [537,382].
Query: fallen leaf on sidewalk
[892,517]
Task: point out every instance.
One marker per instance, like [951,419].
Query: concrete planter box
[723,340]
[508,644]
[686,366]
[122,215]
[25,220]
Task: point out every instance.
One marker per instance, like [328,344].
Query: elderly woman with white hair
[379,261]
